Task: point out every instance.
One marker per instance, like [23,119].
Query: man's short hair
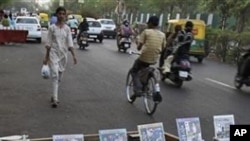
[189,24]
[60,9]
[154,20]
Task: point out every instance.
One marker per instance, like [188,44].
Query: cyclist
[152,41]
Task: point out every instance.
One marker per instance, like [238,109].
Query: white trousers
[55,84]
[167,64]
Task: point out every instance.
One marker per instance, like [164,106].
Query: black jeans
[138,65]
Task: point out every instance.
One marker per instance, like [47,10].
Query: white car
[109,27]
[95,30]
[32,25]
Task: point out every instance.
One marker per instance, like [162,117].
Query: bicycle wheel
[129,88]
[149,103]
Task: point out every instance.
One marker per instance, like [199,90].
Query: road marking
[220,83]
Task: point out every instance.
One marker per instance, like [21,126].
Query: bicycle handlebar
[132,52]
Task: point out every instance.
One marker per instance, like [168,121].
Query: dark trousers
[138,65]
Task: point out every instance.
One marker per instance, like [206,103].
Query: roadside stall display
[222,127]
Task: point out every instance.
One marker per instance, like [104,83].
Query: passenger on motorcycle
[152,42]
[181,48]
[172,39]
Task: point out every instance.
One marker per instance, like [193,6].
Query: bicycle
[150,80]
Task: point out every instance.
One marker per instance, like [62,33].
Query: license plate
[126,45]
[84,42]
[92,36]
[183,74]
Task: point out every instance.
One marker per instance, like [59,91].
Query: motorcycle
[124,43]
[83,40]
[179,71]
[242,76]
[73,32]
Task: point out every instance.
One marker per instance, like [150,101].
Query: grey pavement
[92,94]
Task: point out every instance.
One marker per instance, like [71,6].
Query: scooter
[124,43]
[73,32]
[179,71]
[83,40]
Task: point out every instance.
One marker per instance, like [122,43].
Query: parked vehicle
[32,25]
[109,27]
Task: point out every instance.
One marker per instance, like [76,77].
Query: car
[109,27]
[32,25]
[95,30]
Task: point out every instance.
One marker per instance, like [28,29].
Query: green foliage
[227,44]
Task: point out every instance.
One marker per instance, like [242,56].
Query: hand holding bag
[45,72]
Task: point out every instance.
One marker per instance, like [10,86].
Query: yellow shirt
[153,42]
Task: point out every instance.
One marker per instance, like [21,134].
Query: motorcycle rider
[84,26]
[125,31]
[244,66]
[152,41]
[72,23]
[184,40]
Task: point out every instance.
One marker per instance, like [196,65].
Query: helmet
[70,16]
[154,20]
[125,22]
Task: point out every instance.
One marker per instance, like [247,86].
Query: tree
[222,6]
[3,3]
[240,11]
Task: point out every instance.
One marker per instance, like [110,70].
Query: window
[26,21]
[107,22]
[94,24]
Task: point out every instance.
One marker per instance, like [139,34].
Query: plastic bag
[45,72]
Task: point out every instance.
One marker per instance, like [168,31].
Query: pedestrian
[59,42]
[6,21]
[1,16]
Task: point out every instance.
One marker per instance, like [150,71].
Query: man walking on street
[57,47]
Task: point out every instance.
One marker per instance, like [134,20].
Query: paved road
[92,94]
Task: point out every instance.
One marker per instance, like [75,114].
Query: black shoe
[157,98]
[54,103]
[133,97]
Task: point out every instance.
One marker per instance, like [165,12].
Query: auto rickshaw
[44,20]
[198,47]
[78,17]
